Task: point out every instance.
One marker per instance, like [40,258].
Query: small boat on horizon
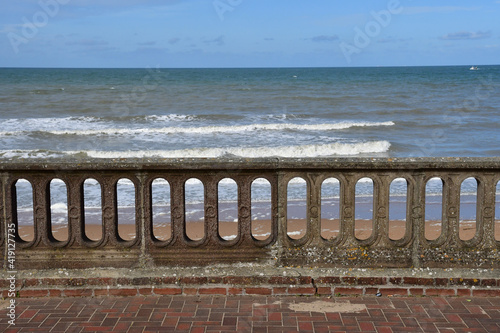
[474,68]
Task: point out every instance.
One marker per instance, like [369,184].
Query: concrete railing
[345,250]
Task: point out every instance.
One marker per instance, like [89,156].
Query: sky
[248,33]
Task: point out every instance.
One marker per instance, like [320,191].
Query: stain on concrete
[324,307]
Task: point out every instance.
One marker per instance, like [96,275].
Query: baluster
[211,223]
[380,218]
[450,235]
[109,211]
[41,210]
[417,217]
[76,215]
[244,210]
[485,212]
[314,204]
[348,193]
[178,220]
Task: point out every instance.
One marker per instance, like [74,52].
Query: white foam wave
[206,129]
[302,151]
[80,125]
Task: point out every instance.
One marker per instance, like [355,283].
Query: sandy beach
[261,230]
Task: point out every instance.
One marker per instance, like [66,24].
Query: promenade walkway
[254,314]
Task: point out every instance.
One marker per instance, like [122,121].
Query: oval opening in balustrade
[125,193]
[162,213]
[261,209]
[433,208]
[398,201]
[24,203]
[194,202]
[363,225]
[228,208]
[330,208]
[497,213]
[59,209]
[297,208]
[468,208]
[92,201]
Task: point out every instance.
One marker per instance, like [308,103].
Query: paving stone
[257,313]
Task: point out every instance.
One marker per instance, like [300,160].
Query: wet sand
[261,230]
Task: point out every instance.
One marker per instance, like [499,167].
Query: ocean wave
[302,151]
[16,126]
[212,129]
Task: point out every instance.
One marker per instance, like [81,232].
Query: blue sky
[248,33]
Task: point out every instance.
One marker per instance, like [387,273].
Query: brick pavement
[254,314]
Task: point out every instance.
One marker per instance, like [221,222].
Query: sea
[154,112]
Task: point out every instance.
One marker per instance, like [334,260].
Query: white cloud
[324,38]
[466,35]
[441,9]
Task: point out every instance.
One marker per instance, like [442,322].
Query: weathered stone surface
[378,251]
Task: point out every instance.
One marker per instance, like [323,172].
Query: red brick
[198,330]
[168,291]
[396,280]
[486,292]
[419,281]
[213,291]
[101,281]
[190,291]
[394,291]
[54,281]
[4,283]
[366,327]
[100,292]
[145,291]
[197,280]
[439,292]
[215,280]
[488,283]
[372,281]
[77,292]
[123,292]
[258,291]
[328,280]
[170,280]
[441,282]
[305,327]
[464,292]
[348,291]
[324,290]
[280,291]
[275,316]
[350,280]
[301,291]
[31,282]
[245,280]
[34,293]
[416,291]
[55,292]
[235,291]
[371,291]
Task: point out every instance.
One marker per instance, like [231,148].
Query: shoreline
[261,230]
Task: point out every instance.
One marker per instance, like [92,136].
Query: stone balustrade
[345,250]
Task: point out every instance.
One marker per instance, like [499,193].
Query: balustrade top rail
[379,250]
[274,163]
